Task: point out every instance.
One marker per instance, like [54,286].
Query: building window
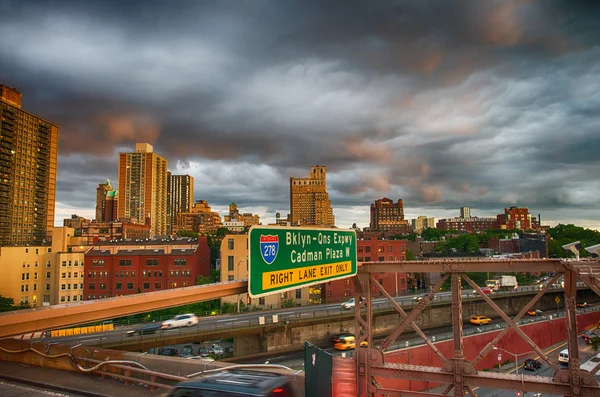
[172,273]
[74,298]
[133,273]
[95,262]
[119,286]
[187,273]
[151,262]
[62,298]
[156,285]
[390,248]
[77,263]
[102,285]
[380,248]
[92,286]
[230,266]
[381,259]
[48,264]
[360,248]
[143,274]
[47,287]
[46,298]
[346,292]
[173,285]
[230,244]
[391,258]
[230,278]
[129,285]
[74,286]
[402,248]
[69,263]
[329,294]
[124,262]
[146,285]
[180,262]
[367,249]
[298,294]
[261,301]
[35,287]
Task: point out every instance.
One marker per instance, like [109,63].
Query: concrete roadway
[21,390]
[246,319]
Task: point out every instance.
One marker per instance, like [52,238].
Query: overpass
[59,316]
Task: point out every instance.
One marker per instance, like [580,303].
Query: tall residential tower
[180,198]
[28,153]
[309,200]
[143,188]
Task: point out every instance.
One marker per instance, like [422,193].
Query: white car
[181,320]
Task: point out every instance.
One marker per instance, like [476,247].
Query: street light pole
[516,358]
[237,277]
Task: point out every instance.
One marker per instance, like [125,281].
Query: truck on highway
[503,283]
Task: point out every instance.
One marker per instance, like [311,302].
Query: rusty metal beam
[511,323]
[413,314]
[524,310]
[526,383]
[457,337]
[463,266]
[58,316]
[414,326]
[571,323]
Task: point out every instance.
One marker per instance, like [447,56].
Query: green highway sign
[287,258]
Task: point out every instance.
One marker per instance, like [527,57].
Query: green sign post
[287,258]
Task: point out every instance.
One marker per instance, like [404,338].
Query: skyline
[480,104]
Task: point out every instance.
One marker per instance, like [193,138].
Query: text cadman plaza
[282,259]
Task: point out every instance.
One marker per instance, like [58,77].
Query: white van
[563,356]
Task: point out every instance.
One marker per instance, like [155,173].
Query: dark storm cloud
[443,104]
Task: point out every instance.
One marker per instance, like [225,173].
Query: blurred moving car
[418,298]
[581,304]
[187,351]
[169,351]
[485,290]
[587,336]
[348,343]
[532,364]
[216,350]
[340,337]
[480,320]
[535,312]
[349,304]
[238,382]
[181,320]
[203,351]
[145,329]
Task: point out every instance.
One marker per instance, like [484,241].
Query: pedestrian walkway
[70,383]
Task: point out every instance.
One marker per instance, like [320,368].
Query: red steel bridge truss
[459,374]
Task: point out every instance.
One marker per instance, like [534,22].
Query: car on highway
[534,312]
[588,336]
[418,298]
[581,304]
[349,304]
[203,351]
[169,351]
[236,382]
[181,320]
[216,350]
[532,364]
[340,337]
[145,329]
[187,351]
[348,343]
[485,290]
[480,320]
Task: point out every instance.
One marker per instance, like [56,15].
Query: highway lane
[242,320]
[585,352]
[15,389]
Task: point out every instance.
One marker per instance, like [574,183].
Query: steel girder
[457,372]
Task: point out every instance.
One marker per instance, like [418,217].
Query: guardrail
[222,324]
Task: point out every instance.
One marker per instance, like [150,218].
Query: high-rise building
[465,212]
[28,153]
[247,219]
[387,216]
[309,200]
[422,223]
[516,218]
[106,202]
[143,187]
[180,198]
[202,219]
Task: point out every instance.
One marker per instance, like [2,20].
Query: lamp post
[516,356]
[237,277]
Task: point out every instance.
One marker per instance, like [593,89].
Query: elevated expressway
[59,316]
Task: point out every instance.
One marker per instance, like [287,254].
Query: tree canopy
[565,234]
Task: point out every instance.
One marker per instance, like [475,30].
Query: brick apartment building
[130,267]
[371,250]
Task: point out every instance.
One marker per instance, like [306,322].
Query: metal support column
[571,324]
[457,329]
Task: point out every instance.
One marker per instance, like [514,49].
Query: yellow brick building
[44,275]
[309,200]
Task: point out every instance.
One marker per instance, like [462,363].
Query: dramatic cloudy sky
[443,104]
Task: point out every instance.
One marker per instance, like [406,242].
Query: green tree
[432,234]
[410,256]
[288,303]
[595,343]
[565,234]
[187,233]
